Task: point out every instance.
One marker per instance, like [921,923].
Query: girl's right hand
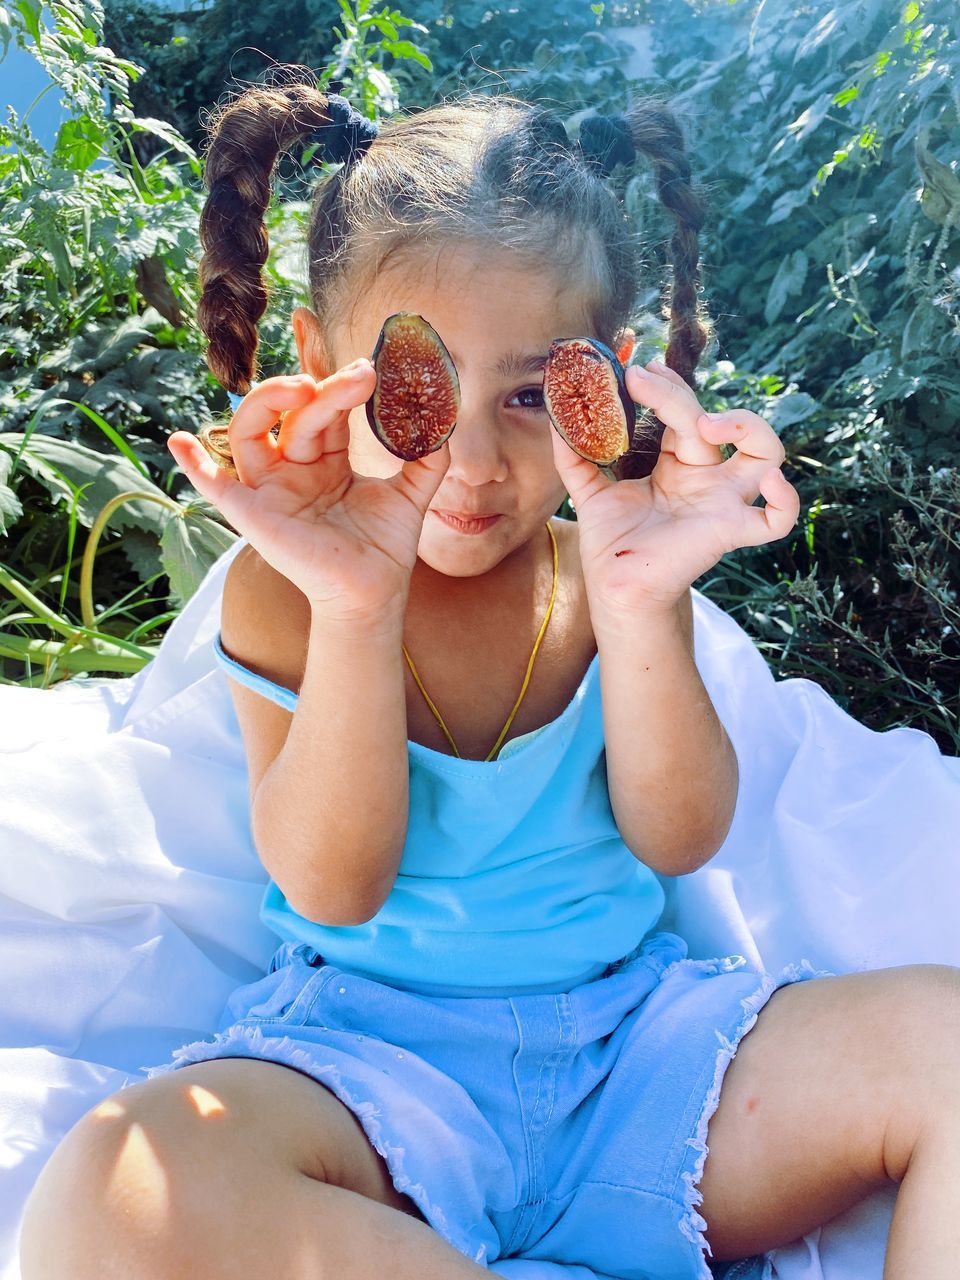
[348,542]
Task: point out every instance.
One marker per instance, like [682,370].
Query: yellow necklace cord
[536,645]
[430,702]
[526,679]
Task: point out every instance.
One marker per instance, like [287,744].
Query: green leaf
[382,24]
[112,435]
[788,281]
[79,143]
[787,411]
[11,509]
[161,129]
[846,95]
[910,12]
[65,467]
[785,204]
[6,31]
[923,325]
[189,546]
[406,49]
[30,11]
[815,38]
[543,55]
[941,184]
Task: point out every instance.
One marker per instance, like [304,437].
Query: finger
[753,436]
[678,408]
[581,479]
[253,448]
[665,371]
[758,447]
[778,517]
[231,497]
[419,480]
[321,426]
[668,441]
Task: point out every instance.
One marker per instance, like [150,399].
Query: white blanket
[129,885]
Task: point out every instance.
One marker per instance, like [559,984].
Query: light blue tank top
[513,877]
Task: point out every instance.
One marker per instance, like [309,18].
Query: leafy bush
[826,136]
[98,348]
[99,344]
[569,61]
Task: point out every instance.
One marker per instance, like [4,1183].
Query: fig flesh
[415,403]
[585,394]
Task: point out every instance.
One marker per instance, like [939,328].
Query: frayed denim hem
[693,1225]
[244,1040]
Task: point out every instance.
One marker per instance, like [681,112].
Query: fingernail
[644,373]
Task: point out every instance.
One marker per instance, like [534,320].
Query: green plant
[99,349]
[97,260]
[826,137]
[368,43]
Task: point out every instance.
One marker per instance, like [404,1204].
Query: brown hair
[491,169]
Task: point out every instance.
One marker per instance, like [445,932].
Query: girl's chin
[460,554]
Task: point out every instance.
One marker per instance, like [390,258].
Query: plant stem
[90,550]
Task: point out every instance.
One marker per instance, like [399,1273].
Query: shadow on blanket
[130,888]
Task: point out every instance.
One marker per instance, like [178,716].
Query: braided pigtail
[656,133]
[247,136]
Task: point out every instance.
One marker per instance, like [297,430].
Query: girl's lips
[465,524]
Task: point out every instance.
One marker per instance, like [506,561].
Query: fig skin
[588,403]
[422,391]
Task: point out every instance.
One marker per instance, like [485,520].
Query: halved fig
[415,403]
[585,394]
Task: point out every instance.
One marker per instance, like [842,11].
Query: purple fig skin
[414,406]
[585,394]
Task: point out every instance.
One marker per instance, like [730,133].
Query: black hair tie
[606,141]
[549,130]
[347,135]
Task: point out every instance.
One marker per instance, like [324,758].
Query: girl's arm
[329,816]
[329,812]
[672,772]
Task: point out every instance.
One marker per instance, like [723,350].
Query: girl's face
[496,319]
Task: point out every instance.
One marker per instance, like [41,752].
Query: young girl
[476,734]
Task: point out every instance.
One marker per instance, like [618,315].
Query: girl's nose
[477,456]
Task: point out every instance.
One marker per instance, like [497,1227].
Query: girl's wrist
[364,626]
[626,622]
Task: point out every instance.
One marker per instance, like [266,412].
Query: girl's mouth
[465,524]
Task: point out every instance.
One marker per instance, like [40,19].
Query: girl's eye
[530,398]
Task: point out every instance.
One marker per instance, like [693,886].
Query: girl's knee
[930,1022]
[122,1194]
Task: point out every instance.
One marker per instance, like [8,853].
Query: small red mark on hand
[626,552]
[752,1104]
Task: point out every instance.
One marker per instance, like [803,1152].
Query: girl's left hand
[643,542]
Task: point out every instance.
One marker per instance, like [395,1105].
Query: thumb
[582,479]
[420,480]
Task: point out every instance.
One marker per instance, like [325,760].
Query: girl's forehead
[485,306]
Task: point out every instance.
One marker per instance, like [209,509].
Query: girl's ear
[310,344]
[626,341]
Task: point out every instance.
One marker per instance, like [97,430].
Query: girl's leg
[234,1167]
[843,1085]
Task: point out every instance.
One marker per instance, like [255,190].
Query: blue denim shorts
[545,1136]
